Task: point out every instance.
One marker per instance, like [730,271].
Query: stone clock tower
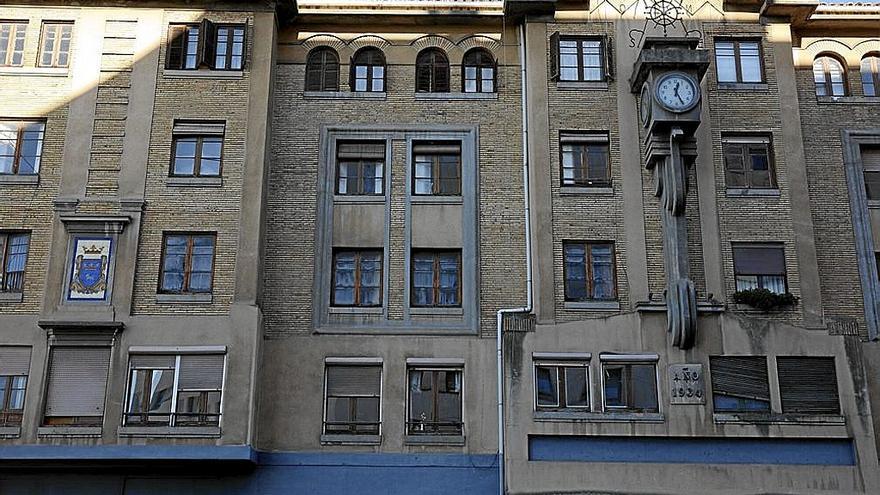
[667,78]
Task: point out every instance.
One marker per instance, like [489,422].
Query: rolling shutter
[808,385]
[77,381]
[870,158]
[740,376]
[15,361]
[759,260]
[354,381]
[153,361]
[201,372]
[554,56]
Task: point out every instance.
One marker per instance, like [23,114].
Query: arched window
[871,74]
[432,71]
[478,71]
[322,70]
[830,76]
[368,70]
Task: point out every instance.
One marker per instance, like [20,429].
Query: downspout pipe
[502,489]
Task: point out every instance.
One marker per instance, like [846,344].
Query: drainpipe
[528,233]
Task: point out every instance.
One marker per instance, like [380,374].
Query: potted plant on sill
[763,299]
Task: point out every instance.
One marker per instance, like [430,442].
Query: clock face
[677,92]
[645,104]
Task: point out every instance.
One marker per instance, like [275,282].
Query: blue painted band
[794,451]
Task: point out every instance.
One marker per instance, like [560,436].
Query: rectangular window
[629,386]
[14,367]
[561,386]
[748,162]
[589,271]
[21,146]
[352,396]
[760,266]
[197,149]
[13,258]
[12,35]
[360,168]
[434,406]
[436,278]
[739,61]
[55,44]
[584,159]
[205,45]
[808,385]
[740,384]
[77,383]
[581,59]
[437,169]
[357,278]
[174,390]
[187,263]
[871,169]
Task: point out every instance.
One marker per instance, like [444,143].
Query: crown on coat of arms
[93,249]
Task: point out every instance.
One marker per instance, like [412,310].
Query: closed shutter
[609,58]
[15,361]
[201,372]
[740,376]
[331,72]
[554,56]
[759,260]
[347,381]
[77,381]
[351,74]
[808,385]
[152,361]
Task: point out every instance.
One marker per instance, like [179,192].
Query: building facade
[434,246]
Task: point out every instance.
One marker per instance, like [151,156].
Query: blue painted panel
[235,453]
[796,451]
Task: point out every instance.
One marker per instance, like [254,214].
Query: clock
[645,104]
[677,92]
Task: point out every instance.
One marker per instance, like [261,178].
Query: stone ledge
[351,439]
[11,297]
[20,179]
[598,417]
[592,305]
[202,74]
[586,191]
[740,86]
[752,192]
[456,96]
[169,431]
[194,182]
[441,440]
[582,85]
[69,431]
[184,298]
[10,431]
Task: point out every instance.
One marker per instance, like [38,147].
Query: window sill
[10,297]
[436,311]
[744,191]
[581,85]
[442,200]
[10,431]
[745,308]
[449,440]
[779,419]
[29,179]
[365,199]
[203,74]
[346,310]
[592,305]
[69,431]
[456,96]
[586,191]
[194,182]
[344,95]
[184,298]
[34,71]
[874,203]
[739,86]
[848,100]
[351,439]
[598,417]
[169,431]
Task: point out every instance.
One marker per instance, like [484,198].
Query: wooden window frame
[589,269]
[760,276]
[56,46]
[323,69]
[15,27]
[828,84]
[230,43]
[359,253]
[4,259]
[436,178]
[353,425]
[746,143]
[433,66]
[19,139]
[197,159]
[491,64]
[586,141]
[435,253]
[360,165]
[11,417]
[435,425]
[737,57]
[187,267]
[629,408]
[873,59]
[603,62]
[561,384]
[370,66]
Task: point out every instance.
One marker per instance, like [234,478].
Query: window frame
[409,426]
[361,161]
[190,235]
[56,46]
[492,64]
[16,26]
[370,78]
[323,51]
[205,55]
[737,57]
[760,277]
[197,159]
[828,83]
[437,179]
[357,287]
[873,59]
[589,269]
[353,425]
[436,253]
[747,142]
[8,416]
[603,55]
[712,380]
[634,360]
[230,45]
[19,139]
[433,66]
[5,236]
[587,140]
[562,384]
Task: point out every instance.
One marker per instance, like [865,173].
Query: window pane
[725,61]
[727,403]
[575,272]
[421,400]
[750,61]
[819,77]
[773,283]
[603,271]
[16,393]
[448,280]
[546,386]
[344,278]
[631,387]
[423,279]
[872,184]
[576,389]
